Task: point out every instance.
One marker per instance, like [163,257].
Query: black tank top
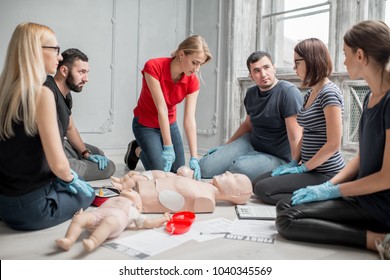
[23,165]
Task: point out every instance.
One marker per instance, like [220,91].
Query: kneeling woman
[167,82]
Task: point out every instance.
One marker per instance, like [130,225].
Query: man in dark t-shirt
[86,160]
[270,134]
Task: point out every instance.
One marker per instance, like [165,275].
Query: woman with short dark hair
[321,119]
[353,208]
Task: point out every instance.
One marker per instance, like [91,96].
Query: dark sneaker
[383,247]
[131,159]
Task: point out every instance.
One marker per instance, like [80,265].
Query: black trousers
[339,221]
[272,189]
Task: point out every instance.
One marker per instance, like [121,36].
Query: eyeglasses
[296,60]
[57,48]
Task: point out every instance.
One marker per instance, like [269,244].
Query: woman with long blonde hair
[37,187]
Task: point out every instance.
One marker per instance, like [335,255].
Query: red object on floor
[99,201]
[180,223]
[178,227]
[185,215]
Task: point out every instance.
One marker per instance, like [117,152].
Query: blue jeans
[48,206]
[238,157]
[151,144]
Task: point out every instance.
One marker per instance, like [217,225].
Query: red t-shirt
[159,68]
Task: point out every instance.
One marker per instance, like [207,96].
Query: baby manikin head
[134,197]
[235,187]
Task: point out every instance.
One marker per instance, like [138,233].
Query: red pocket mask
[180,223]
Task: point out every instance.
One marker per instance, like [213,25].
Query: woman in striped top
[353,208]
[321,120]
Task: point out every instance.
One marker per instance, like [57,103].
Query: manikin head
[233,187]
[134,197]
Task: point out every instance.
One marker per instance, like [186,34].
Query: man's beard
[71,85]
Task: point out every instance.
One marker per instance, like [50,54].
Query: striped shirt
[312,119]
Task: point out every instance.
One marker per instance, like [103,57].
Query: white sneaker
[383,247]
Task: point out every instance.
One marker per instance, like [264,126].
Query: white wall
[118,36]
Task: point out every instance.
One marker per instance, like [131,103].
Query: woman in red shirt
[165,83]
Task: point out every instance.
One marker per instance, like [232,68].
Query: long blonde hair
[22,78]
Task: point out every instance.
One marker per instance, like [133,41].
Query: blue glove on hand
[194,165]
[102,161]
[293,170]
[277,170]
[168,157]
[77,184]
[320,192]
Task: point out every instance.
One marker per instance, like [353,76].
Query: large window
[292,21]
[308,20]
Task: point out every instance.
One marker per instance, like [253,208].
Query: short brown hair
[255,57]
[317,58]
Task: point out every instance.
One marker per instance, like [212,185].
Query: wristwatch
[87,151]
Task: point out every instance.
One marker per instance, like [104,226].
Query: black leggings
[272,189]
[339,221]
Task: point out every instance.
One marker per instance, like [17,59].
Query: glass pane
[295,4]
[298,24]
[388,12]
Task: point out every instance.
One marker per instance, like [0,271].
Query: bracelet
[87,151]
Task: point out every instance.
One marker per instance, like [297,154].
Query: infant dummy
[109,221]
[167,192]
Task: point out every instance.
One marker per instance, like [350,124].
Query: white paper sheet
[152,242]
[210,229]
[146,243]
[253,230]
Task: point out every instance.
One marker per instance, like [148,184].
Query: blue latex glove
[102,161]
[213,150]
[168,157]
[320,192]
[76,185]
[194,165]
[277,170]
[293,170]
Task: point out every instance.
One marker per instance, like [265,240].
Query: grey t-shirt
[267,111]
